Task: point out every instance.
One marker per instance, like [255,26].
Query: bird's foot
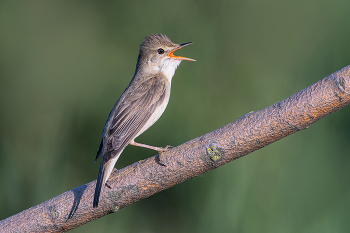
[108,185]
[161,149]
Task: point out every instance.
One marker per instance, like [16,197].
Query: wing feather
[131,113]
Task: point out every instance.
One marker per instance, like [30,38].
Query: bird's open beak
[171,54]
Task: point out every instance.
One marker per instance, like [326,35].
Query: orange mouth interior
[171,54]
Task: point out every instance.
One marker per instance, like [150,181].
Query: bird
[140,105]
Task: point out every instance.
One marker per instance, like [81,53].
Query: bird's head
[157,55]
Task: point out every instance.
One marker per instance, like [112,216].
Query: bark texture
[145,178]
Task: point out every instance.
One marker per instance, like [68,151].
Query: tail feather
[106,169]
[98,188]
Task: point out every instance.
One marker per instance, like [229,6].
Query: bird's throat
[168,67]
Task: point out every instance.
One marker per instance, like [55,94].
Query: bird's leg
[159,149]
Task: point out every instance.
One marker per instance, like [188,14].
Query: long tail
[106,169]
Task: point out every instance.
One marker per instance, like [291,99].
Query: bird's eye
[160,51]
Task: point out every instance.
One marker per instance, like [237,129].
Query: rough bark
[145,178]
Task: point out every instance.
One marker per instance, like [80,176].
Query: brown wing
[130,114]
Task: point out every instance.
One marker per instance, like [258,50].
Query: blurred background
[63,65]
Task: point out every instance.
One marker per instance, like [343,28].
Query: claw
[108,185]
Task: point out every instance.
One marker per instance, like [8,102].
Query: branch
[145,178]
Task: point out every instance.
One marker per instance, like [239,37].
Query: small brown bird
[140,105]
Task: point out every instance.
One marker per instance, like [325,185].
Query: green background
[63,64]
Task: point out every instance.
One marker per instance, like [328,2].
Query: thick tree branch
[145,178]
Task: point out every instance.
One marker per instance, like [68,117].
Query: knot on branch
[213,151]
